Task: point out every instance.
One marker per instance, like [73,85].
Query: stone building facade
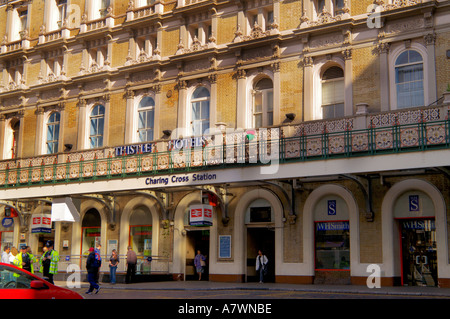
[315,130]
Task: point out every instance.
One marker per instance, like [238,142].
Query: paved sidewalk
[209,285]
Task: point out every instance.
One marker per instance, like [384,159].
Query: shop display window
[332,245]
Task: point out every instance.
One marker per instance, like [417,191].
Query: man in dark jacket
[92,266]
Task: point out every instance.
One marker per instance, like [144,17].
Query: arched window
[53,124]
[263,103]
[333,93]
[97,123]
[409,79]
[200,110]
[146,119]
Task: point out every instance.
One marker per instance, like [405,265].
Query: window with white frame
[18,23]
[146,119]
[333,93]
[263,103]
[200,119]
[56,13]
[62,12]
[98,9]
[11,138]
[409,79]
[14,75]
[325,9]
[52,137]
[199,34]
[143,3]
[145,46]
[53,67]
[97,58]
[96,126]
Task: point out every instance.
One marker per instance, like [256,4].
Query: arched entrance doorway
[411,238]
[415,218]
[259,219]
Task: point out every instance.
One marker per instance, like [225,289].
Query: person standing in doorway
[261,265]
[131,265]
[92,267]
[200,264]
[113,262]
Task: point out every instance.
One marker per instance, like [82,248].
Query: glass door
[419,257]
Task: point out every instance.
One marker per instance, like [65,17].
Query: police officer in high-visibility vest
[49,262]
[25,260]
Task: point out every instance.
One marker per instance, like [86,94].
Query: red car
[16,283]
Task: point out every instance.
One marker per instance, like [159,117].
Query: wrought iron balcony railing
[236,149]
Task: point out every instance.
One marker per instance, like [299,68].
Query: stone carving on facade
[196,45]
[256,32]
[324,17]
[396,4]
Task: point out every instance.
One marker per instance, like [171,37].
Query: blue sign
[331,207]
[225,246]
[7,222]
[414,203]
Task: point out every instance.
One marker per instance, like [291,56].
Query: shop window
[332,240]
[146,118]
[6,238]
[91,230]
[200,110]
[409,79]
[263,103]
[333,93]
[97,122]
[53,125]
[140,239]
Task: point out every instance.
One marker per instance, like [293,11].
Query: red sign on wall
[200,215]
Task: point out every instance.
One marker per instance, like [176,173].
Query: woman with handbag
[261,265]
[200,263]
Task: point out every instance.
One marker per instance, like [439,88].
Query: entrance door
[260,239]
[197,240]
[419,257]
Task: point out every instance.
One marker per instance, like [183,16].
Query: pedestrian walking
[131,265]
[6,254]
[261,265]
[92,266]
[200,264]
[113,263]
